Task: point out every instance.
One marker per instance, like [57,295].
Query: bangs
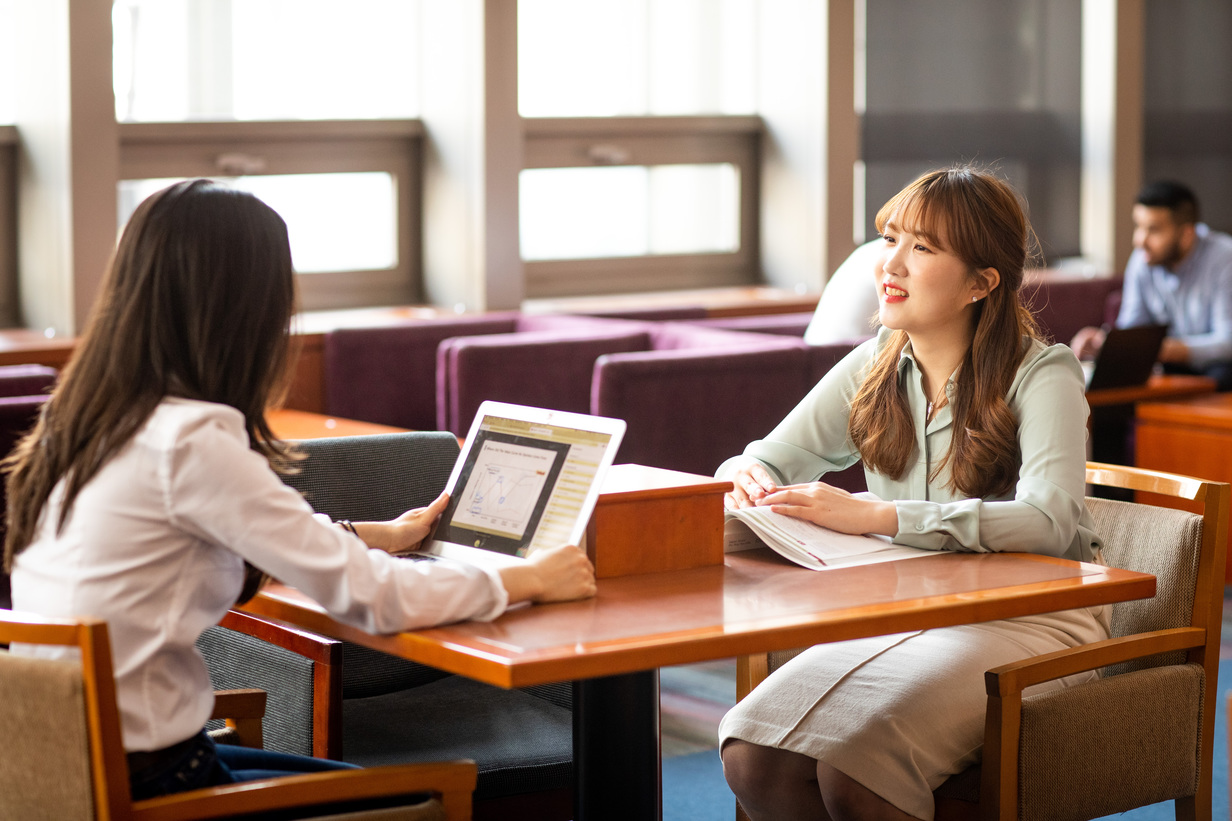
[920,211]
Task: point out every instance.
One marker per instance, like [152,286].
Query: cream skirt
[901,713]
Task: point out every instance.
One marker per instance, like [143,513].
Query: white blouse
[155,544]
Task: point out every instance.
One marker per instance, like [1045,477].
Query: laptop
[1127,357]
[526,478]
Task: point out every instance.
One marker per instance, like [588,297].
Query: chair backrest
[1185,551]
[1165,543]
[62,756]
[375,478]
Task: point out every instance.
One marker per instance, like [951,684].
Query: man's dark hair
[1174,196]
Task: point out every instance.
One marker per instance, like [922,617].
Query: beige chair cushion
[45,756]
[1111,745]
[1165,543]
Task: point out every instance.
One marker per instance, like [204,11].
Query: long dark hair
[196,303]
[985,226]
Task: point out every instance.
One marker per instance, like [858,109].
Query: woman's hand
[405,533]
[752,483]
[552,574]
[834,508]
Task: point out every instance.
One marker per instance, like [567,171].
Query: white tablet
[526,478]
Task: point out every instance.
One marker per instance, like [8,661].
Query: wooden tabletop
[756,602]
[298,424]
[1213,411]
[1158,387]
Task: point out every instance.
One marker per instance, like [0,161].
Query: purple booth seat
[1065,303]
[792,324]
[546,369]
[26,380]
[691,404]
[699,395]
[387,374]
[17,416]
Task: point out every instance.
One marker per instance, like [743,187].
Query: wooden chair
[63,757]
[1143,732]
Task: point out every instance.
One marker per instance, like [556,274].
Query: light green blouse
[1045,512]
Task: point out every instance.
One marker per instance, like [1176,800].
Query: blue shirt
[1044,513]
[1195,300]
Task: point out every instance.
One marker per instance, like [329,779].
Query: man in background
[1179,275]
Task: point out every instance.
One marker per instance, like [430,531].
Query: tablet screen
[522,485]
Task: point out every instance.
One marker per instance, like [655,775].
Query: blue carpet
[694,789]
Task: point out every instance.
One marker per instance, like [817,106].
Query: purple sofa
[546,369]
[23,390]
[1065,303]
[387,374]
[703,393]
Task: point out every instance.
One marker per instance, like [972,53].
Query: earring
[975,299]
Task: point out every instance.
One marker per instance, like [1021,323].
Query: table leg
[616,752]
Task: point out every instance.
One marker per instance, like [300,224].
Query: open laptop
[526,478]
[1127,357]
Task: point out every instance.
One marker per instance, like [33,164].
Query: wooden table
[611,646]
[1192,436]
[298,424]
[1159,386]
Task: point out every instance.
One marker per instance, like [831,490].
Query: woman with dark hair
[146,495]
[972,433]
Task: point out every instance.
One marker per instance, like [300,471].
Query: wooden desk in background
[298,424]
[611,646]
[1158,387]
[1192,436]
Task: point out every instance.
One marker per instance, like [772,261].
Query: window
[293,96]
[641,158]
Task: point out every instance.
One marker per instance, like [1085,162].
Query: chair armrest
[326,657]
[1009,679]
[243,711]
[450,781]
[239,703]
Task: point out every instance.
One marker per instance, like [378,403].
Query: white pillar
[69,159]
[807,99]
[1113,45]
[473,155]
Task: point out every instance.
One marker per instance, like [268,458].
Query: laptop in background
[526,478]
[1127,358]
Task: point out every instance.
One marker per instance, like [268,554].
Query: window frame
[261,148]
[590,142]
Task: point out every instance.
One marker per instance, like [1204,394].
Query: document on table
[807,544]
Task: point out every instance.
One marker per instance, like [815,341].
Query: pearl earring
[975,299]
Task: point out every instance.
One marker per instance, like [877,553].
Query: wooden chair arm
[243,710]
[452,782]
[1010,679]
[326,655]
[246,703]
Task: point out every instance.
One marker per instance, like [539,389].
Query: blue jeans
[199,763]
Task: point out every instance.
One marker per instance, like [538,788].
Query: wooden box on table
[648,520]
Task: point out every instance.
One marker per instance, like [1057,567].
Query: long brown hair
[983,224]
[196,303]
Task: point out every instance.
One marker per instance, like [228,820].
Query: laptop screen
[522,485]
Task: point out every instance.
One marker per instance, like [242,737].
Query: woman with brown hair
[148,486]
[972,432]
